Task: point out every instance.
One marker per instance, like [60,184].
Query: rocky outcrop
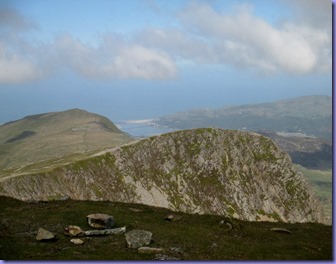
[208,171]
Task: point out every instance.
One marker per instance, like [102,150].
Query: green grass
[37,138]
[321,182]
[201,237]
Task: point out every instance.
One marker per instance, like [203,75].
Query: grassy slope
[322,184]
[54,135]
[201,237]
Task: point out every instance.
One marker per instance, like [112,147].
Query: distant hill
[311,115]
[236,174]
[53,135]
[310,152]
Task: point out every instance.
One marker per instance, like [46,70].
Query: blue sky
[139,59]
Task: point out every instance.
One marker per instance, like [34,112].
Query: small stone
[64,198]
[229,225]
[100,221]
[77,241]
[164,257]
[135,210]
[176,250]
[73,230]
[149,250]
[43,234]
[169,217]
[172,217]
[138,238]
[214,246]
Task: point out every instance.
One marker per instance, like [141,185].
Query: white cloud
[179,44]
[113,58]
[110,60]
[246,40]
[15,64]
[243,40]
[16,69]
[205,36]
[141,62]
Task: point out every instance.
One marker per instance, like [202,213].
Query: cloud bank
[205,36]
[244,40]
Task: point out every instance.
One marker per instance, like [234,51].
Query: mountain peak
[55,134]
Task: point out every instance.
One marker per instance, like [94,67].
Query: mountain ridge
[208,171]
[311,115]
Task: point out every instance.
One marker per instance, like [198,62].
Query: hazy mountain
[310,152]
[54,135]
[311,115]
[209,171]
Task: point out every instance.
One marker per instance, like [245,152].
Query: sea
[142,128]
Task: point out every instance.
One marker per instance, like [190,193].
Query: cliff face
[207,171]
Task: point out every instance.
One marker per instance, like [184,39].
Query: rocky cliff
[208,171]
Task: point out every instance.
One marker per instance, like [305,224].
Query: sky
[142,59]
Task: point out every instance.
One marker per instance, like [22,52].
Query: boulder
[138,238]
[73,230]
[43,235]
[100,221]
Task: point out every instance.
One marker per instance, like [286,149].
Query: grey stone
[101,221]
[176,250]
[77,241]
[43,234]
[113,231]
[138,238]
[149,250]
[164,257]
